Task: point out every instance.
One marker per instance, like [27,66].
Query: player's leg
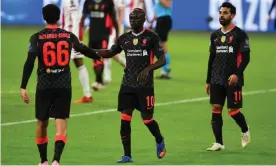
[83,77]
[42,106]
[234,99]
[108,61]
[61,112]
[163,28]
[146,106]
[275,23]
[126,105]
[217,99]
[98,65]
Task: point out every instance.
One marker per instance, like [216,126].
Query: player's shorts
[163,27]
[102,44]
[54,103]
[218,93]
[134,98]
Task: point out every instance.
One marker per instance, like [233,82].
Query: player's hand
[207,88]
[86,30]
[269,18]
[233,79]
[143,76]
[24,96]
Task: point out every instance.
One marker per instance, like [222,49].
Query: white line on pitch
[157,104]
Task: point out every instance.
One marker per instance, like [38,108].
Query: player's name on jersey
[224,49]
[137,53]
[97,14]
[54,35]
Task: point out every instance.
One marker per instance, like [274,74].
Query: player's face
[136,20]
[225,16]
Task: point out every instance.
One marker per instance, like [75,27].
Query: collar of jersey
[228,30]
[137,34]
[51,26]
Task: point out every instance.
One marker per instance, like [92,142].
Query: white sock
[107,69]
[84,79]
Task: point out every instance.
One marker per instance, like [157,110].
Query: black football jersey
[227,48]
[140,50]
[99,12]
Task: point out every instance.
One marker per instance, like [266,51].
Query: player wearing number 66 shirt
[52,47]
[70,21]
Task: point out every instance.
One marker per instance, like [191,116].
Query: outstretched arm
[114,50]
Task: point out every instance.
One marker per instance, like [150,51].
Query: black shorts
[134,98]
[53,103]
[163,27]
[101,44]
[218,93]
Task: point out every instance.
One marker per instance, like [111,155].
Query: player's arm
[158,52]
[28,67]
[85,11]
[272,6]
[121,16]
[29,63]
[212,56]
[245,52]
[114,18]
[86,51]
[114,50]
[161,60]
[165,3]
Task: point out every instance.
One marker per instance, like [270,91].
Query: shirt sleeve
[29,63]
[157,46]
[244,43]
[212,55]
[117,47]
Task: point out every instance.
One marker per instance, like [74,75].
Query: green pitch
[93,138]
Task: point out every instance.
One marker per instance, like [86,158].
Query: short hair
[230,6]
[51,13]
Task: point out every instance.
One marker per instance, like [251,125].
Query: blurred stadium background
[182,105]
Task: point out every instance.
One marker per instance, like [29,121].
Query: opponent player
[102,16]
[120,8]
[52,47]
[137,90]
[71,22]
[163,12]
[229,56]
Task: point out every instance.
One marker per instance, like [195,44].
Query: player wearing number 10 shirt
[52,47]
[137,91]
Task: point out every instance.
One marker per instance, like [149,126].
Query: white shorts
[76,55]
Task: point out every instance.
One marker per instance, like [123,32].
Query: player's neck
[137,31]
[227,28]
[52,26]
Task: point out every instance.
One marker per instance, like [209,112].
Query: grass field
[94,137]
